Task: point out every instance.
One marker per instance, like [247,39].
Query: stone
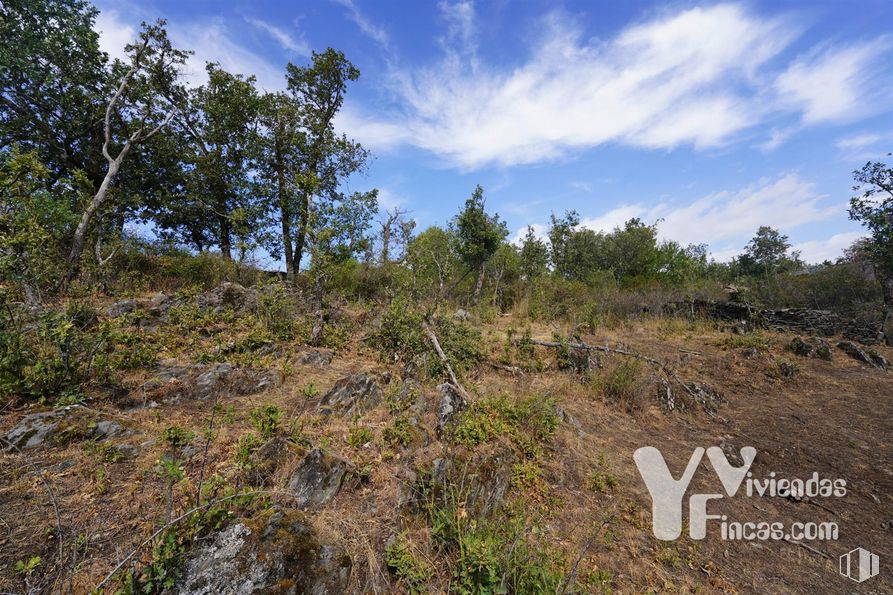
[814,347]
[667,398]
[120,308]
[873,359]
[60,426]
[264,461]
[318,478]
[228,296]
[352,394]
[706,396]
[461,315]
[208,381]
[316,357]
[277,552]
[451,403]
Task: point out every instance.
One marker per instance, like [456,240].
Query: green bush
[528,422]
[413,572]
[402,338]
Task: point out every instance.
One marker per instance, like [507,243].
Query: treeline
[90,144]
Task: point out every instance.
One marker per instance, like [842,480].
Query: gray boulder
[120,308]
[352,394]
[279,552]
[813,347]
[870,357]
[318,478]
[228,296]
[56,427]
[316,357]
[451,403]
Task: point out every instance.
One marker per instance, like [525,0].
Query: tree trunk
[385,241]
[285,211]
[80,233]
[887,289]
[226,247]
[303,223]
[479,284]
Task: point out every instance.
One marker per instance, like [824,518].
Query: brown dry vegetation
[581,501]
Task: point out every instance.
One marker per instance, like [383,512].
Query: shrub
[621,383]
[266,420]
[402,338]
[527,421]
[413,573]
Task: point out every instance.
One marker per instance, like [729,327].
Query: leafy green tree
[54,85]
[767,254]
[312,158]
[873,207]
[478,235]
[34,223]
[560,233]
[432,262]
[534,256]
[145,100]
[221,122]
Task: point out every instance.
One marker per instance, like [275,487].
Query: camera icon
[859,565]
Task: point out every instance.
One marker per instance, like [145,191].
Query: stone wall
[800,320]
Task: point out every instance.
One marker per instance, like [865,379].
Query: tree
[560,233]
[54,85]
[767,254]
[221,122]
[396,231]
[874,209]
[432,260]
[478,235]
[534,256]
[307,163]
[34,223]
[145,101]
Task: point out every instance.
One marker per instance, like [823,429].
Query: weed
[413,572]
[176,437]
[357,436]
[621,383]
[310,390]
[266,420]
[27,567]
[245,447]
[753,340]
[399,433]
[527,421]
[602,481]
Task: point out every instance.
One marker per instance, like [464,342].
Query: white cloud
[696,77]
[835,84]
[282,37]
[726,220]
[114,33]
[371,30]
[210,40]
[858,141]
[829,249]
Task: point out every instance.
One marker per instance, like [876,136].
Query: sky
[709,119]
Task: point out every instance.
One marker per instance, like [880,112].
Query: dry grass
[821,421]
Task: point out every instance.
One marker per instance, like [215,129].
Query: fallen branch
[808,548]
[615,350]
[453,379]
[514,370]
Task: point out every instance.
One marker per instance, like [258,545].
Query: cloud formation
[700,77]
[282,37]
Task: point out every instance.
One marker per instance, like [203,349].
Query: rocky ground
[245,463]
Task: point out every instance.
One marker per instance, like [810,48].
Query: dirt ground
[834,418]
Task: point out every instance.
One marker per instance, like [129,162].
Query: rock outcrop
[279,552]
[318,478]
[352,394]
[58,427]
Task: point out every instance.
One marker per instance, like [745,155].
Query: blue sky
[714,118]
